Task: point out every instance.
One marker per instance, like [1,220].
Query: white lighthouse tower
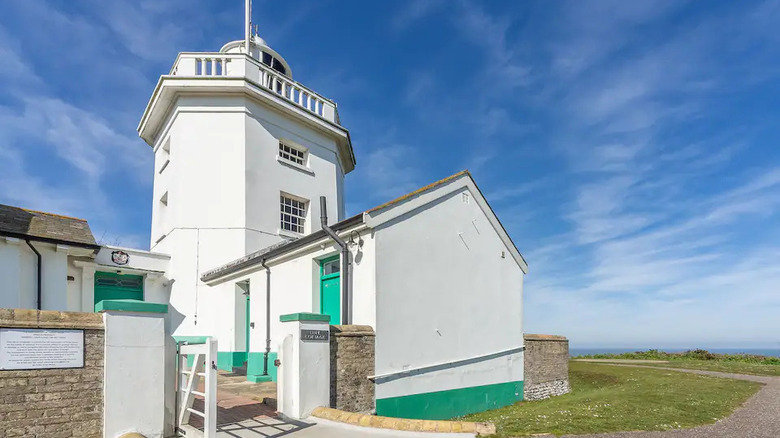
[242,154]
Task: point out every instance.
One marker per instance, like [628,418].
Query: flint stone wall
[56,403]
[546,366]
[351,362]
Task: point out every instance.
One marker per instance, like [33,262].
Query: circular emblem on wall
[120,257]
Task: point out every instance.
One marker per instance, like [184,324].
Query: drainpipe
[37,254]
[344,261]
[267,316]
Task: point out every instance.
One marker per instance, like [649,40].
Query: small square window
[293,214]
[292,154]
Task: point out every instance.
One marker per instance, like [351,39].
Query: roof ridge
[30,210]
[420,190]
[51,214]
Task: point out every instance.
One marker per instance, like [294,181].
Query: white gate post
[134,367]
[210,421]
[304,374]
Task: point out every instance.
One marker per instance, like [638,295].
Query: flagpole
[247,25]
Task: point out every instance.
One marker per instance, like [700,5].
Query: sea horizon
[765,351]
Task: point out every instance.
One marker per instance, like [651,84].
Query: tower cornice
[232,74]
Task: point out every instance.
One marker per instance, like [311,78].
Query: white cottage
[433,272]
[52,262]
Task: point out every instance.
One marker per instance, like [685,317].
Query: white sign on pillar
[304,372]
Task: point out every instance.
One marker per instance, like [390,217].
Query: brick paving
[239,416]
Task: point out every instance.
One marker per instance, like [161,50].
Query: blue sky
[630,148]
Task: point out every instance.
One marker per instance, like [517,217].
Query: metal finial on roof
[247,25]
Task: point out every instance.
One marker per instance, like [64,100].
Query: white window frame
[291,160]
[295,153]
[286,224]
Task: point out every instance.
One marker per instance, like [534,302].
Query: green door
[111,286]
[330,289]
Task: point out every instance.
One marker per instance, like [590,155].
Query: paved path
[330,429]
[636,361]
[241,414]
[759,417]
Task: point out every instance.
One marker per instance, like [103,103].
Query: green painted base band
[258,379]
[443,405]
[254,367]
[226,360]
[130,306]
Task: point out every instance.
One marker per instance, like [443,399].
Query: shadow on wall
[173,320]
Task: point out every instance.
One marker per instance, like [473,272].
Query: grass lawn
[607,398]
[704,360]
[756,369]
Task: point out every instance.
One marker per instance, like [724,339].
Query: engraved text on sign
[33,349]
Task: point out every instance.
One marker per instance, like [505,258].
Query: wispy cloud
[388,172]
[60,156]
[413,11]
[655,208]
[505,67]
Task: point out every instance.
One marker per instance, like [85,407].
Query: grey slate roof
[36,225]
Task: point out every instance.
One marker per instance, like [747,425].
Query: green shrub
[697,354]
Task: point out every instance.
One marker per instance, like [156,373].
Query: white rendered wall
[18,271]
[137,259]
[445,293]
[223,182]
[55,276]
[11,273]
[203,221]
[74,287]
[364,281]
[295,287]
[266,176]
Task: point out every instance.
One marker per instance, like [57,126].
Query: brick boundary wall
[351,362]
[546,366]
[56,403]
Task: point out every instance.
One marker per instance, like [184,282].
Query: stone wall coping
[32,318]
[304,316]
[368,420]
[352,330]
[535,337]
[131,306]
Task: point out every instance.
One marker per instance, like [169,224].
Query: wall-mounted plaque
[35,349]
[120,257]
[315,335]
